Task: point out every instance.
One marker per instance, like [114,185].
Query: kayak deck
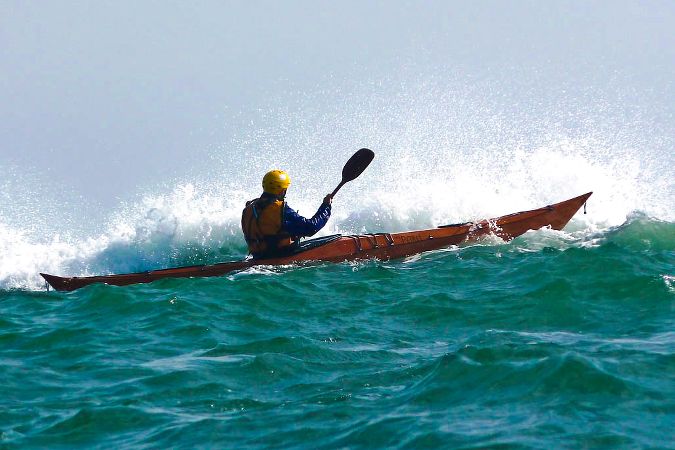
[338,248]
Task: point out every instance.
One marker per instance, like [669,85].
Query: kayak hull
[383,246]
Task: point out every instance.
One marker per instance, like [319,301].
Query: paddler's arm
[296,225]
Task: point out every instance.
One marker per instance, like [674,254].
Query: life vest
[261,222]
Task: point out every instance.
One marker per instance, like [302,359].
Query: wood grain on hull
[382,246]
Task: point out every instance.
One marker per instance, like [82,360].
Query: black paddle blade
[357,164]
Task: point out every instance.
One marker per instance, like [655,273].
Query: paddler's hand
[327,199]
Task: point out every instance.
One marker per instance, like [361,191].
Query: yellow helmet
[275,182]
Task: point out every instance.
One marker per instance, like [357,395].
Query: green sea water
[554,340]
[133,133]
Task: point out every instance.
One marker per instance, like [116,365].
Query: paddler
[271,227]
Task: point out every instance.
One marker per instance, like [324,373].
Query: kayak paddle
[355,167]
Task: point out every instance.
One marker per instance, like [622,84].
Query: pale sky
[104,97]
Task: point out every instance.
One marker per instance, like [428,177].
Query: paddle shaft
[342,183]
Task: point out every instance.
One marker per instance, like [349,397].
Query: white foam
[157,229]
[444,154]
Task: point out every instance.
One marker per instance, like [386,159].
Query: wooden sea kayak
[338,248]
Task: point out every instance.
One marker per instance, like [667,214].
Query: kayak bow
[383,246]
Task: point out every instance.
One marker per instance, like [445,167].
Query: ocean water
[551,339]
[557,339]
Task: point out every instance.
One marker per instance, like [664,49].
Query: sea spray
[200,224]
[557,336]
[446,151]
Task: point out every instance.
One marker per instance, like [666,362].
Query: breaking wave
[443,155]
